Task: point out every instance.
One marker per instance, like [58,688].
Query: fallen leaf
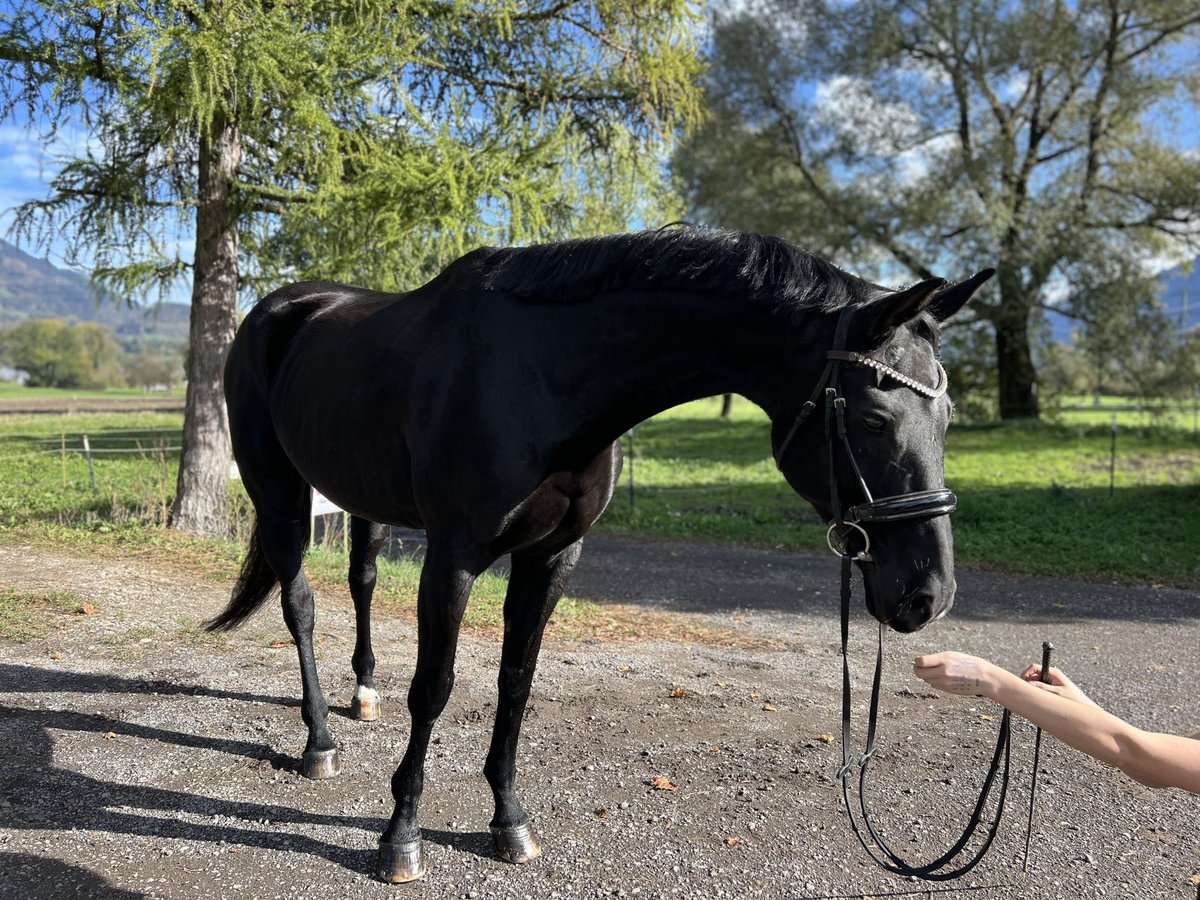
[678,693]
[714,749]
[984,717]
[624,668]
[767,707]
[110,736]
[56,656]
[1195,879]
[602,813]
[275,645]
[662,783]
[755,695]
[732,841]
[85,609]
[825,738]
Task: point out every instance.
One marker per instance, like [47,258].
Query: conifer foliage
[362,141]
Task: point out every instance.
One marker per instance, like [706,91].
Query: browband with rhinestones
[884,368]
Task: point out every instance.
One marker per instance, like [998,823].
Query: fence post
[1112,458]
[631,495]
[64,458]
[87,452]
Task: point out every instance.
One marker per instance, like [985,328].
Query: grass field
[10,390]
[1129,412]
[1032,497]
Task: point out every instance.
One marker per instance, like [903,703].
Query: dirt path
[148,761]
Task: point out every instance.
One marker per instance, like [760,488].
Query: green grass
[10,390]
[1033,497]
[1081,410]
[46,477]
[25,616]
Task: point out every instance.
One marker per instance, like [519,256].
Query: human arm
[1155,759]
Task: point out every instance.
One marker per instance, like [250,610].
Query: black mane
[709,260]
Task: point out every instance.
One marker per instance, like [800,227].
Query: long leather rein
[916,505]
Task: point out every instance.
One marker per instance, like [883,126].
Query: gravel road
[148,761]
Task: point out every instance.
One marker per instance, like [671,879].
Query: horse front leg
[441,601]
[534,589]
[282,543]
[366,539]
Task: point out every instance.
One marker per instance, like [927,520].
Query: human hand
[1056,683]
[958,673]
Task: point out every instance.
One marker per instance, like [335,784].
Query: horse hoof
[364,706]
[320,764]
[518,844]
[399,863]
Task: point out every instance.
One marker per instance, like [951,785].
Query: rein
[916,505]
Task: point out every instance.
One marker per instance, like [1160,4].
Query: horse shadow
[40,878]
[43,796]
[66,681]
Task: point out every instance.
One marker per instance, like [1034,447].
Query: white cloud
[847,105]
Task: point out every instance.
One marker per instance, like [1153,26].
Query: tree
[102,353]
[50,351]
[368,141]
[148,369]
[907,136]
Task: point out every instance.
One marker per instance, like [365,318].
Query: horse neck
[676,347]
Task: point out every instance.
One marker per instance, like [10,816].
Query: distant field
[17,399]
[1129,411]
[1032,497]
[10,390]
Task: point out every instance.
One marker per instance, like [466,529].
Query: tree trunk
[203,481]
[1017,377]
[726,405]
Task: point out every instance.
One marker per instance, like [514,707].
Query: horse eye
[873,421]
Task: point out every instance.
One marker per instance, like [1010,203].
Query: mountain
[1180,298]
[32,288]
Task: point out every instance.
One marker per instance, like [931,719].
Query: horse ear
[950,300]
[883,316]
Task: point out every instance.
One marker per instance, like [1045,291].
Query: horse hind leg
[283,539]
[534,588]
[366,539]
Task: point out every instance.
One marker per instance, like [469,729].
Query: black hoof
[518,844]
[320,764]
[399,863]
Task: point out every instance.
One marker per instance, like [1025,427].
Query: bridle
[871,511]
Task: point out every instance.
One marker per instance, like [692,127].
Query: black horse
[486,407]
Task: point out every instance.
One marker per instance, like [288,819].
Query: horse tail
[255,584]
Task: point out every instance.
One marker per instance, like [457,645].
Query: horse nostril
[913,615]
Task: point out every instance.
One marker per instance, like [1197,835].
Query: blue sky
[27,166]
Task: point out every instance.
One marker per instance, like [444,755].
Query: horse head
[866,447]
